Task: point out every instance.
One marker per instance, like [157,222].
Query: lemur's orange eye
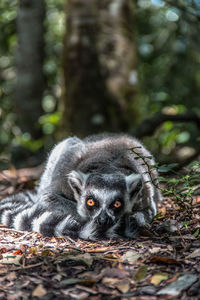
[117,204]
[90,202]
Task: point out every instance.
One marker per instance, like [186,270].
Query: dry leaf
[162,210]
[194,254]
[3,270]
[47,252]
[18,252]
[57,277]
[165,260]
[78,295]
[197,200]
[141,273]
[110,282]
[85,258]
[11,259]
[70,281]
[176,287]
[73,281]
[155,250]
[173,278]
[11,276]
[157,278]
[123,286]
[131,256]
[33,250]
[39,291]
[115,272]
[99,250]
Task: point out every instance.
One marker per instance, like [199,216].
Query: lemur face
[104,197]
[103,205]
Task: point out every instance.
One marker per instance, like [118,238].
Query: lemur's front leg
[135,223]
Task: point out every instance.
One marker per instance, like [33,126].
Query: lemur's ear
[134,184]
[76,180]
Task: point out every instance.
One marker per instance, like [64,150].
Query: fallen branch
[149,126]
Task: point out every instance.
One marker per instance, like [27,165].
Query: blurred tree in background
[29,87]
[99,67]
[160,93]
[30,81]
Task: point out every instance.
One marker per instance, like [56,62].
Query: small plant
[180,188]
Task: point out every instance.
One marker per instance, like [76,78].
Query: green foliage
[10,133]
[197,233]
[169,62]
[49,122]
[26,141]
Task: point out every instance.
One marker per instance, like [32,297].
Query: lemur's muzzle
[104,219]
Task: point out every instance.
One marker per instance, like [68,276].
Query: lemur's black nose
[104,219]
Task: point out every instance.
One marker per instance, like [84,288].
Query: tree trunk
[99,67]
[29,65]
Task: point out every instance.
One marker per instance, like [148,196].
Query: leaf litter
[164,261]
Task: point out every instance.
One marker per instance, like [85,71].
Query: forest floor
[162,263]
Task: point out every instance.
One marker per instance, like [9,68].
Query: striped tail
[23,212]
[10,207]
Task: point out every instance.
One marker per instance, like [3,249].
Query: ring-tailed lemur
[92,188]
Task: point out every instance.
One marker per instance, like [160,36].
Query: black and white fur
[99,167]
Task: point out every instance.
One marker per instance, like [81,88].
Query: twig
[70,240]
[25,235]
[77,249]
[11,229]
[26,267]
